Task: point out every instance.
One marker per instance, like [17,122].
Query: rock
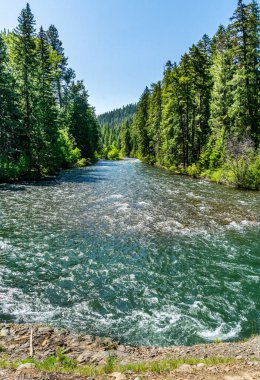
[200,365]
[239,357]
[4,332]
[85,357]
[252,363]
[25,366]
[99,357]
[184,368]
[117,376]
[121,348]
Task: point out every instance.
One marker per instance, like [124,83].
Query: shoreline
[17,340]
[38,351]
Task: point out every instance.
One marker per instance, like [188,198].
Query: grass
[62,363]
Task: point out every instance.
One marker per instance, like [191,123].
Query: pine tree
[245,49]
[25,70]
[125,139]
[60,63]
[140,126]
[154,120]
[219,121]
[10,138]
[46,138]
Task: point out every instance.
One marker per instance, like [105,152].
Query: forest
[202,118]
[46,121]
[114,125]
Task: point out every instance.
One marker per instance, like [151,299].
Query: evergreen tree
[125,139]
[25,70]
[154,120]
[140,126]
[46,138]
[60,62]
[10,138]
[245,82]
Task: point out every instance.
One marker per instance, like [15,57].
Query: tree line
[202,118]
[46,121]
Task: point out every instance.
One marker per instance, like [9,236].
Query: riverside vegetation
[203,118]
[46,122]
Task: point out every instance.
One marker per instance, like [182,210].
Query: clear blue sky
[120,46]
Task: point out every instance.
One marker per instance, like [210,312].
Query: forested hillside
[202,118]
[46,122]
[117,116]
[111,130]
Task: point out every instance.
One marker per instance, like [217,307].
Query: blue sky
[120,46]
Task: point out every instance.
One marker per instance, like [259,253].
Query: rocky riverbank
[20,341]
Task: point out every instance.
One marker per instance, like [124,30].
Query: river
[125,250]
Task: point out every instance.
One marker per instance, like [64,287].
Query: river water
[125,250]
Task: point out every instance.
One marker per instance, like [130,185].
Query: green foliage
[70,154]
[116,117]
[187,121]
[193,170]
[46,122]
[62,363]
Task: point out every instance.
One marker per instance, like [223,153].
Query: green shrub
[193,170]
[70,155]
[113,154]
[82,162]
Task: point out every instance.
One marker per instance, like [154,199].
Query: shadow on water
[8,187]
[70,176]
[106,163]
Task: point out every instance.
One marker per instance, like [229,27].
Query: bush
[193,170]
[243,163]
[111,153]
[82,162]
[70,155]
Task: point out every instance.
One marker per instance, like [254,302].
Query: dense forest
[202,118]
[113,130]
[46,121]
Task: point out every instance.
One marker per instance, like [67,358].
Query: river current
[125,250]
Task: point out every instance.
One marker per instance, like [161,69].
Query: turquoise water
[124,250]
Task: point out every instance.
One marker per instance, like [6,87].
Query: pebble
[200,365]
[4,332]
[25,366]
[117,376]
[184,368]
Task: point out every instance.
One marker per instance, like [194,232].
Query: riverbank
[99,357]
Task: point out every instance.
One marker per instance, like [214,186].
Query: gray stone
[200,365]
[85,357]
[4,332]
[117,376]
[25,366]
[184,368]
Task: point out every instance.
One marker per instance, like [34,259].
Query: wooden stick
[31,343]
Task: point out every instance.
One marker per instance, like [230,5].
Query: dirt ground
[242,371]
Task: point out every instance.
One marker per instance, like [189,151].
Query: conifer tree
[10,138]
[25,62]
[125,139]
[60,63]
[154,120]
[140,126]
[46,140]
[245,82]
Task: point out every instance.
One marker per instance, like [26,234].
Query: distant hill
[117,116]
